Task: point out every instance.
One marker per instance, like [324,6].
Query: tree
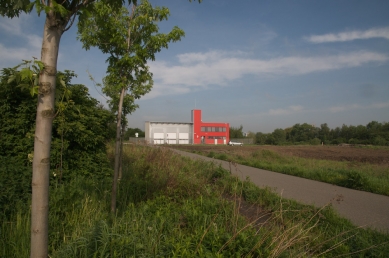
[131,39]
[260,138]
[324,133]
[361,134]
[279,136]
[288,136]
[303,132]
[59,18]
[236,132]
[132,131]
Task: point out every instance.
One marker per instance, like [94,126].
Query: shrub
[15,185]
[337,141]
[211,154]
[354,180]
[79,130]
[315,141]
[378,140]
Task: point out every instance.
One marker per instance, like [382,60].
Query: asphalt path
[361,208]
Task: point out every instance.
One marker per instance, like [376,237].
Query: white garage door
[183,138]
[171,138]
[158,138]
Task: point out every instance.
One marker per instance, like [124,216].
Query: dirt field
[378,156]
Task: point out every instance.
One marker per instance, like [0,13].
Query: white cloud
[34,41]
[208,57]
[16,54]
[202,70]
[380,105]
[344,108]
[18,29]
[351,35]
[351,107]
[162,89]
[285,111]
[13,26]
[265,35]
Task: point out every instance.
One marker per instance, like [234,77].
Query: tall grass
[360,176]
[169,206]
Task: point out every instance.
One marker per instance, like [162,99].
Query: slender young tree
[131,38]
[60,16]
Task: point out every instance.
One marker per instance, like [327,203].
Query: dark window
[216,137]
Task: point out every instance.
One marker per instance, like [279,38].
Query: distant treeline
[374,133]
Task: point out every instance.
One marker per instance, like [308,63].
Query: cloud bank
[351,35]
[351,107]
[196,71]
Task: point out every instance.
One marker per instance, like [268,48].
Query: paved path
[362,208]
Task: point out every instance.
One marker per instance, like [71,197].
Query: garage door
[158,138]
[183,138]
[171,138]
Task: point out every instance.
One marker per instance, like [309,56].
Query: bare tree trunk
[44,121]
[118,130]
[121,153]
[117,151]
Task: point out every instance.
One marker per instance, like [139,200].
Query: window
[216,137]
[213,129]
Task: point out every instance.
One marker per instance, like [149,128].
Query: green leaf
[67,94]
[23,86]
[36,80]
[25,73]
[40,64]
[62,82]
[11,78]
[34,90]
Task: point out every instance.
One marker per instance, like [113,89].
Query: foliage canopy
[374,133]
[79,134]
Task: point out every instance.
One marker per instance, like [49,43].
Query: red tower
[209,132]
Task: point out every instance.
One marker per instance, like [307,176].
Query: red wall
[198,134]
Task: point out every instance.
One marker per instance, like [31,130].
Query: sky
[260,64]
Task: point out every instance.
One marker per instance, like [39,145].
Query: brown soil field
[377,156]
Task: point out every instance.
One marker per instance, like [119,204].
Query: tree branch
[74,9]
[71,22]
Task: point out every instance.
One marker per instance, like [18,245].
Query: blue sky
[260,64]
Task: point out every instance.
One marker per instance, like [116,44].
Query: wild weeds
[359,176]
[169,206]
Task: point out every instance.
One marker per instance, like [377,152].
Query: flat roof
[158,122]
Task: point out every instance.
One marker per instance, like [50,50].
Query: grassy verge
[354,175]
[169,206]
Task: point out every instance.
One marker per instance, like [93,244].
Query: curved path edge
[361,208]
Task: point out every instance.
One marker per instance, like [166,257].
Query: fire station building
[195,132]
